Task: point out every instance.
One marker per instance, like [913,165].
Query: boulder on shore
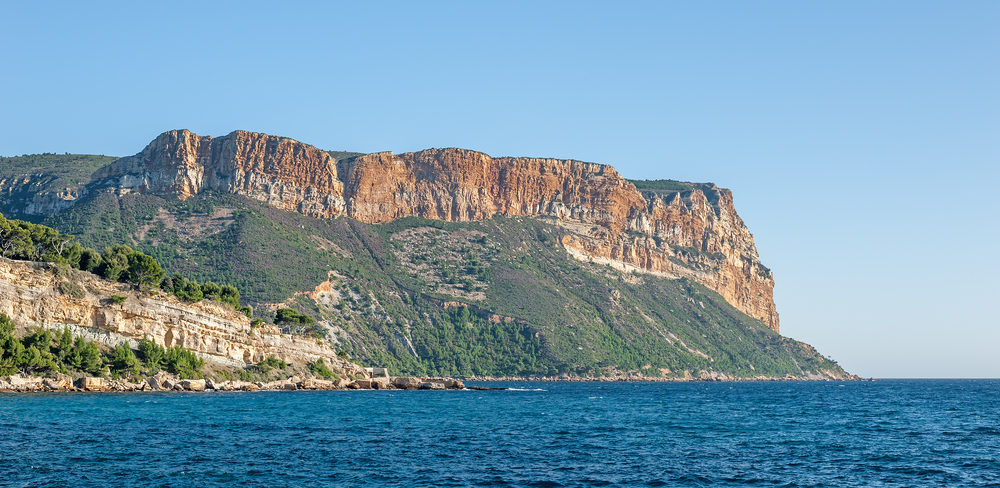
[193,385]
[90,384]
[406,382]
[449,383]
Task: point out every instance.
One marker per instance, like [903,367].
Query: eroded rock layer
[694,232]
[32,295]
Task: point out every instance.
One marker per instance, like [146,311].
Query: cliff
[31,294]
[44,184]
[694,233]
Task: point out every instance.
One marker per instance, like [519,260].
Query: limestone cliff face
[460,185]
[32,192]
[694,233]
[277,170]
[33,296]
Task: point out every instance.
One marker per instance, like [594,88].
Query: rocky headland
[444,262]
[693,231]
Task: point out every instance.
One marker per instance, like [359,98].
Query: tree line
[26,241]
[43,351]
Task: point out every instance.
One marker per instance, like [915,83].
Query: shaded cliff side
[43,184]
[693,232]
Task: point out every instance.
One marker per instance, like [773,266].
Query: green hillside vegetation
[495,297]
[25,241]
[344,155]
[662,185]
[31,174]
[42,352]
[61,170]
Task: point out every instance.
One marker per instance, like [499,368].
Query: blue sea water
[885,433]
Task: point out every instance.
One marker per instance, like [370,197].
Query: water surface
[886,433]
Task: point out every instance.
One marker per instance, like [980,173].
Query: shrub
[72,289]
[287,315]
[272,362]
[319,368]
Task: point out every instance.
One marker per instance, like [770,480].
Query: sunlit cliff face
[694,233]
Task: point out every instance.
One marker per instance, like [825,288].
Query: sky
[856,136]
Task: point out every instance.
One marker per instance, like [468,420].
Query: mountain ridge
[448,261]
[694,233]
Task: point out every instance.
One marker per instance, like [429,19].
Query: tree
[115,261]
[14,241]
[210,289]
[86,357]
[65,346]
[182,362]
[35,359]
[289,315]
[167,284]
[92,362]
[143,270]
[187,289]
[229,295]
[152,353]
[41,339]
[90,260]
[11,349]
[123,360]
[72,254]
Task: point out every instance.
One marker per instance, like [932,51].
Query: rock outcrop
[694,232]
[31,295]
[32,196]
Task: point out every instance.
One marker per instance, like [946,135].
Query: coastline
[166,382]
[705,377]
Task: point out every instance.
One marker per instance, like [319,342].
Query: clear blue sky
[861,139]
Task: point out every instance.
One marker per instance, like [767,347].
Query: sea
[787,434]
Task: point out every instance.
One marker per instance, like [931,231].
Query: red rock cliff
[694,233]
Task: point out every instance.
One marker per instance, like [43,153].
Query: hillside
[41,184]
[694,233]
[56,297]
[598,282]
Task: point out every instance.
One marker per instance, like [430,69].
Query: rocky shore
[633,377]
[167,382]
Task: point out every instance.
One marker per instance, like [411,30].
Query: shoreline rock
[163,382]
[709,377]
